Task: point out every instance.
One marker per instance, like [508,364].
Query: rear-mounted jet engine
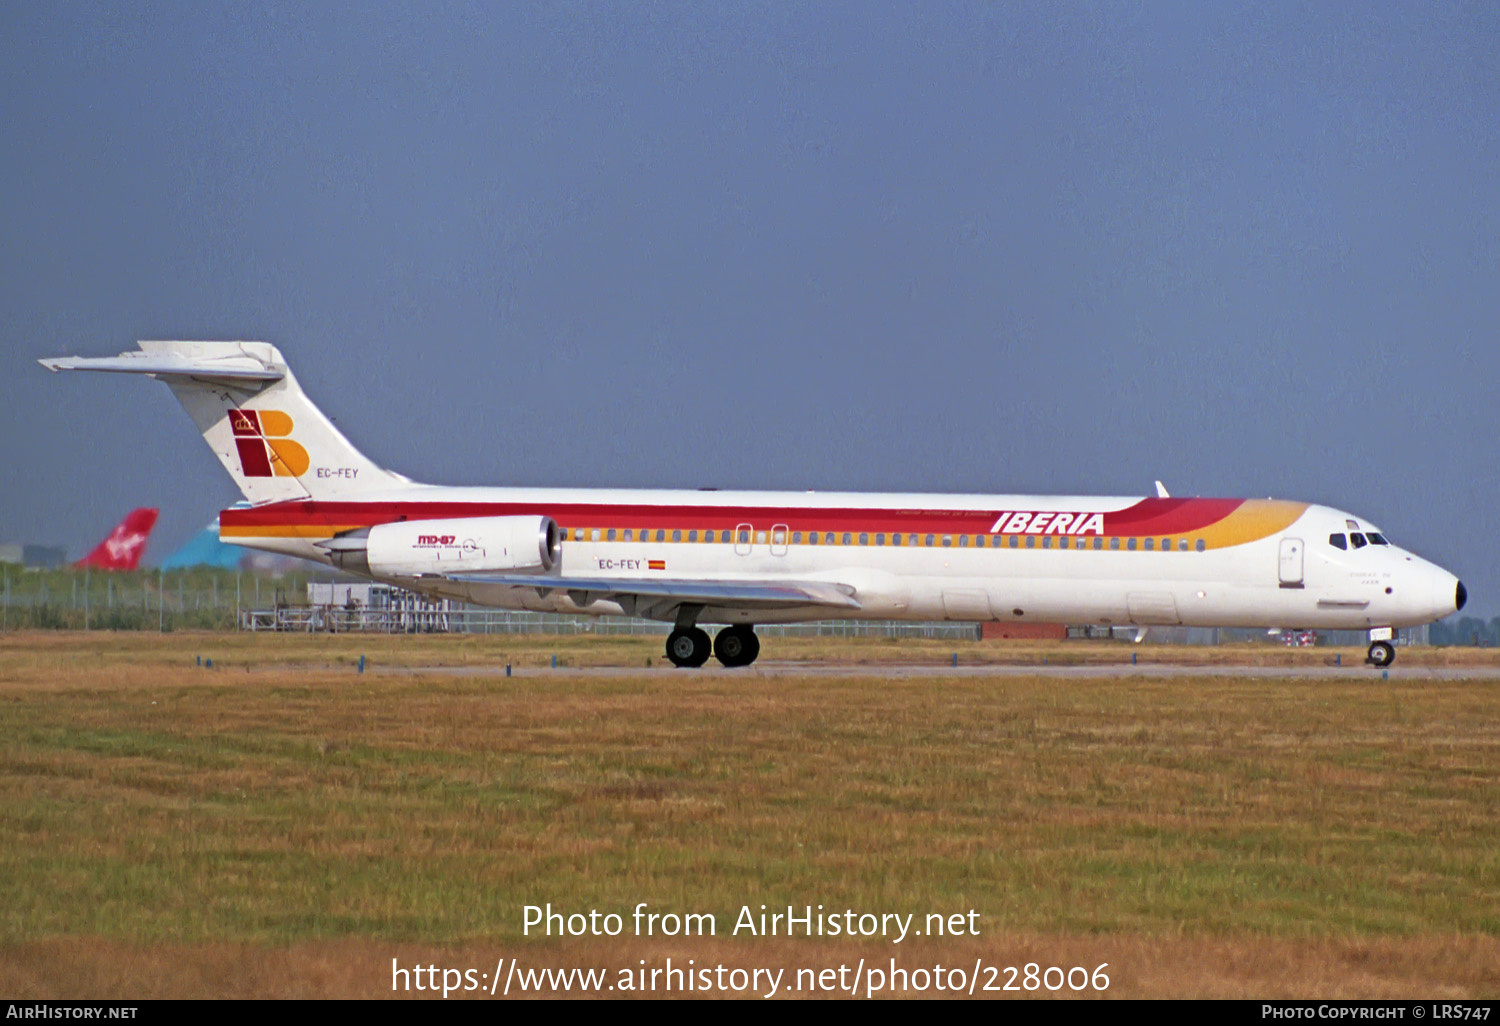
[411,548]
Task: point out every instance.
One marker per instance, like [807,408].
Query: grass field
[282,825]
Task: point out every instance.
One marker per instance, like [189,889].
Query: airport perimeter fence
[208,599]
[459,619]
[154,600]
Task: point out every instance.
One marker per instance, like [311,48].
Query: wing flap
[755,594]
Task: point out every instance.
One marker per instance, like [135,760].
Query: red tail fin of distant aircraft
[122,549]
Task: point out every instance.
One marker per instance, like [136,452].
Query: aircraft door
[742,535]
[779,535]
[1290,573]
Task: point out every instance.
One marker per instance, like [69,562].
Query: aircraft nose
[1460,596]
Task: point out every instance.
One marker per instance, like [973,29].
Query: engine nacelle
[409,548]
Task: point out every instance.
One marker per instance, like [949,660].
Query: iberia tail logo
[265,450]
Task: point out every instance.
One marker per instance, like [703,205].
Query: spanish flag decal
[656,564]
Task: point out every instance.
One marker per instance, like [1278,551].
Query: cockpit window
[1358,539]
[1337,541]
[1376,539]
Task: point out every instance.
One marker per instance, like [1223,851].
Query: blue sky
[1250,250]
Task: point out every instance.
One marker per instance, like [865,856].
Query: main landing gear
[735,646]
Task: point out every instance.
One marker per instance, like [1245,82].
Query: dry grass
[1441,967]
[283,825]
[49,652]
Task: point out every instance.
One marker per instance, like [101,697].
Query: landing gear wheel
[737,646]
[1381,653]
[689,647]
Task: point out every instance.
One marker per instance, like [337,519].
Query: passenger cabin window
[812,537]
[611,534]
[848,538]
[979,541]
[1338,541]
[1046,541]
[1014,541]
[692,536]
[1114,543]
[1200,545]
[629,534]
[879,539]
[828,538]
[596,534]
[1166,544]
[1099,543]
[930,540]
[895,539]
[796,537]
[744,537]
[1149,543]
[1182,544]
[864,539]
[1358,540]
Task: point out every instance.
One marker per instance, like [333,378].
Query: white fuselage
[1042,559]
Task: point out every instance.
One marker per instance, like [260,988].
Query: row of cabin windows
[962,541]
[1357,539]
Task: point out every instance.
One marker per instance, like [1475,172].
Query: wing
[741,594]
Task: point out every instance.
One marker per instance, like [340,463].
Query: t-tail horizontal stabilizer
[250,410]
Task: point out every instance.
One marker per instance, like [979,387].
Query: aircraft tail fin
[123,547]
[250,410]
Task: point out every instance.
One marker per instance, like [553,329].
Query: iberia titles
[1026,522]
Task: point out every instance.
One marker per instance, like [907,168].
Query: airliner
[738,558]
[123,547]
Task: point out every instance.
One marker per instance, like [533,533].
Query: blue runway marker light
[1338,659]
[361,662]
[554,662]
[507,669]
[208,664]
[1132,658]
[955,658]
[200,660]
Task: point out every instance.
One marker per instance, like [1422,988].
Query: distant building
[35,557]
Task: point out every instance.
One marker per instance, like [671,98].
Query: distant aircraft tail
[123,548]
[270,437]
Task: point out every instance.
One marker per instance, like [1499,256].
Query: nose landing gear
[1380,654]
